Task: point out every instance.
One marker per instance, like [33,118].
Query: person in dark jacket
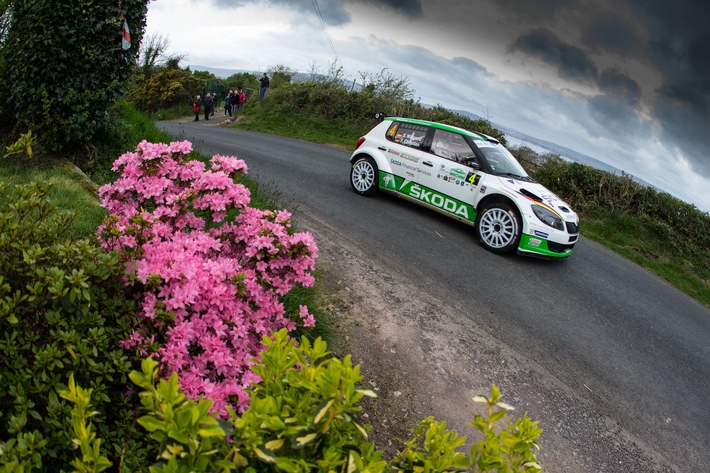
[234,101]
[208,103]
[264,85]
[228,104]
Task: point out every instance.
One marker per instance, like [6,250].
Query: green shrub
[302,417]
[166,89]
[59,81]
[62,311]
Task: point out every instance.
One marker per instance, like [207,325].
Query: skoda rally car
[467,176]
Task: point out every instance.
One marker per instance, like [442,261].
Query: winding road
[614,362]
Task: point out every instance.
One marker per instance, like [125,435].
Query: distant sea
[517,142]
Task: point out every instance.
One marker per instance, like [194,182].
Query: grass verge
[315,130]
[631,238]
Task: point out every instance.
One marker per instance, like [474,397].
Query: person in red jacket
[242,98]
[196,107]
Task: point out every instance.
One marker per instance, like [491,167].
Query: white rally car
[467,176]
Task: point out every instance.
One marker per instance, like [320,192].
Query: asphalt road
[616,336]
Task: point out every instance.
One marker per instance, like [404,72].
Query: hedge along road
[614,362]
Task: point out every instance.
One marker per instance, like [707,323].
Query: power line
[325,28]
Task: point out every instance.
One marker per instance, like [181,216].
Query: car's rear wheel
[498,228]
[363,176]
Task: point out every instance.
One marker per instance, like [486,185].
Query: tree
[63,65]
[165,89]
[241,80]
[280,75]
[154,52]
[204,75]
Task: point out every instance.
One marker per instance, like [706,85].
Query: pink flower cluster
[209,271]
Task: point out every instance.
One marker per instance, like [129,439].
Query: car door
[403,152]
[450,171]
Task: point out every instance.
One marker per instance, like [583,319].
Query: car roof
[444,126]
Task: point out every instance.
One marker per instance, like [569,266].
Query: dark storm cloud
[534,10]
[614,114]
[619,85]
[679,46]
[332,11]
[612,32]
[411,8]
[571,62]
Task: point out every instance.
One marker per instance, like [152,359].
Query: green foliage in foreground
[62,310]
[302,417]
[62,66]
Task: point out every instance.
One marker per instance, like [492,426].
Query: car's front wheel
[363,176]
[498,228]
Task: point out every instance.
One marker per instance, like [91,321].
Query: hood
[535,192]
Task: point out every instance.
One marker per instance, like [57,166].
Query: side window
[407,134]
[452,146]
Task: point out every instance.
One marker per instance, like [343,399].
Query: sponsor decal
[512,181]
[397,162]
[422,171]
[458,173]
[409,157]
[534,242]
[393,151]
[483,189]
[388,181]
[541,234]
[438,200]
[473,178]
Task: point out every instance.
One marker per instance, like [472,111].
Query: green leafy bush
[332,101]
[166,89]
[62,311]
[303,418]
[62,66]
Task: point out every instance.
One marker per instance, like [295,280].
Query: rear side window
[407,134]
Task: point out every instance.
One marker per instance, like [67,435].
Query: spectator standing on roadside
[209,105]
[234,101]
[242,98]
[228,104]
[264,85]
[196,106]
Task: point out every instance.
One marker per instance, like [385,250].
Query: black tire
[499,228]
[364,176]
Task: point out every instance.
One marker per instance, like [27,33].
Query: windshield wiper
[517,176]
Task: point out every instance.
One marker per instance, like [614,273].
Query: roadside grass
[68,190]
[313,129]
[631,238]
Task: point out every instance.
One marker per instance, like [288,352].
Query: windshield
[500,159]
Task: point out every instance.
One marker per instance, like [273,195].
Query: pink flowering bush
[208,270]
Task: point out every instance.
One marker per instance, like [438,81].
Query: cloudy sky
[624,81]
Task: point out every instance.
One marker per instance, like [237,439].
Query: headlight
[548,218]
